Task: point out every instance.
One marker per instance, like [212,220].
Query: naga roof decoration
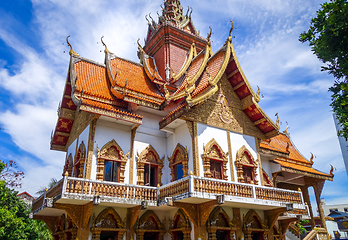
[289,158]
[114,88]
[201,79]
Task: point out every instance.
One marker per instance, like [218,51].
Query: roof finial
[331,171]
[231,28]
[209,34]
[147,20]
[277,122]
[257,98]
[311,160]
[71,52]
[286,130]
[139,46]
[106,49]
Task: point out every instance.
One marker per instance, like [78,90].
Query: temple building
[174,146]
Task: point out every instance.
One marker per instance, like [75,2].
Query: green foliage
[14,217]
[300,225]
[328,38]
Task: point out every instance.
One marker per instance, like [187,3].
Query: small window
[248,174]
[150,175]
[216,169]
[112,171]
[178,171]
[333,209]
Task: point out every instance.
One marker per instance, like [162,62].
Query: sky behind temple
[34,62]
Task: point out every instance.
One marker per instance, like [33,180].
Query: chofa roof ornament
[71,52]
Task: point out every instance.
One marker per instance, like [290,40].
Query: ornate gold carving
[213,151]
[68,165]
[179,156]
[253,220]
[71,52]
[149,156]
[244,158]
[225,115]
[149,222]
[111,152]
[80,159]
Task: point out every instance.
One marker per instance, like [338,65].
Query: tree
[10,174]
[328,38]
[42,190]
[14,221]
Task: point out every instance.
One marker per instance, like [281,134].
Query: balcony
[190,189]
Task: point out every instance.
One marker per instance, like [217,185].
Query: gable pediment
[224,110]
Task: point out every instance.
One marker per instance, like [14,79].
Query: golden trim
[71,52]
[208,53]
[195,151]
[131,163]
[230,154]
[183,70]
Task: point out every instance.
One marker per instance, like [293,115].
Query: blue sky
[34,62]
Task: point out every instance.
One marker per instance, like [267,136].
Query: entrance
[222,235]
[179,235]
[108,235]
[150,236]
[257,235]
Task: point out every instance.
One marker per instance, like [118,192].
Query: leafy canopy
[14,216]
[328,38]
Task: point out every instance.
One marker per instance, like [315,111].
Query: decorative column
[131,160]
[90,148]
[82,167]
[100,170]
[317,193]
[247,235]
[187,235]
[230,155]
[140,236]
[121,234]
[238,222]
[306,198]
[211,233]
[141,171]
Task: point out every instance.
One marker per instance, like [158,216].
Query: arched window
[266,181]
[149,227]
[180,227]
[178,163]
[246,166]
[79,162]
[68,165]
[215,161]
[149,167]
[219,225]
[111,163]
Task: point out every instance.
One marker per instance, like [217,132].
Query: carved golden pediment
[112,151]
[149,155]
[213,150]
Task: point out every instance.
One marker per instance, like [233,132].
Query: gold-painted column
[238,222]
[306,198]
[195,150]
[317,193]
[230,155]
[131,163]
[90,147]
[257,142]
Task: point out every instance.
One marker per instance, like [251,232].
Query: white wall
[107,131]
[206,133]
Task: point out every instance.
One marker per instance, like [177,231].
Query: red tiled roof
[135,77]
[108,107]
[213,66]
[300,167]
[279,143]
[91,78]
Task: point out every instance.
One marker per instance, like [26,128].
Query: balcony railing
[191,186]
[200,187]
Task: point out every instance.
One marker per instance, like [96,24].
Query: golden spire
[231,29]
[71,52]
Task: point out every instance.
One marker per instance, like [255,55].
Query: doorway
[108,235]
[222,235]
[257,235]
[150,236]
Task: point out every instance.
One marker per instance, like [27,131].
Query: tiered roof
[116,87]
[289,158]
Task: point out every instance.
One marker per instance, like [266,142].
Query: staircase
[317,233]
